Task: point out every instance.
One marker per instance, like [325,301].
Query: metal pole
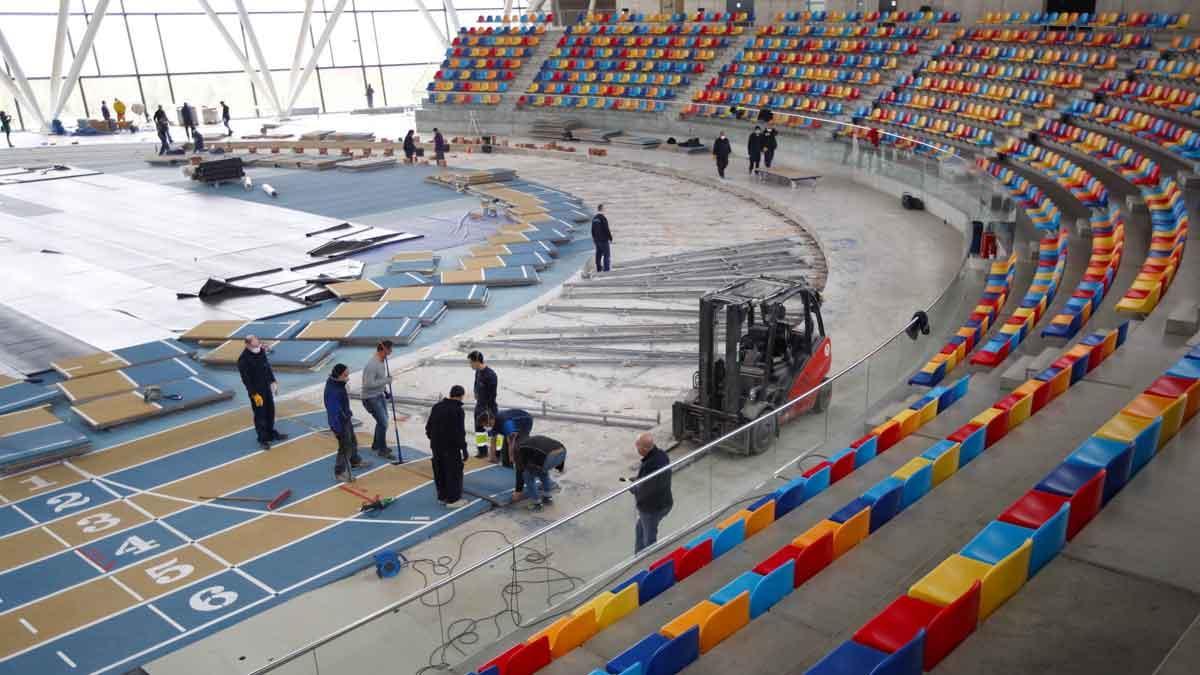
[60,37]
[448,7]
[432,23]
[16,94]
[18,76]
[264,71]
[387,368]
[229,41]
[304,23]
[85,45]
[507,7]
[316,54]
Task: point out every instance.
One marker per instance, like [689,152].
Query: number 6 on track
[212,598]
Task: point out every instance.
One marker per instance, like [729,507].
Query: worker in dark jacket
[602,238]
[506,430]
[754,148]
[770,145]
[163,124]
[653,498]
[721,151]
[337,412]
[410,147]
[255,369]
[225,119]
[535,457]
[187,116]
[486,384]
[440,146]
[447,434]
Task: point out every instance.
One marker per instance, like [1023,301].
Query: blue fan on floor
[389,563]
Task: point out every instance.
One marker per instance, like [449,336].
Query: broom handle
[242,499]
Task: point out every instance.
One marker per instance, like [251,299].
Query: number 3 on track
[212,598]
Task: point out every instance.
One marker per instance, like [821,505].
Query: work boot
[264,445]
[279,436]
[385,453]
[341,476]
[547,500]
[361,464]
[457,505]
[535,507]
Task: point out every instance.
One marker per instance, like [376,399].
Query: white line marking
[96,566]
[164,617]
[186,367]
[28,626]
[255,580]
[66,659]
[27,517]
[123,586]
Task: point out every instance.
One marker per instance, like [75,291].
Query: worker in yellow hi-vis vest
[486,384]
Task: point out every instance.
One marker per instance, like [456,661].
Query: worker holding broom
[337,412]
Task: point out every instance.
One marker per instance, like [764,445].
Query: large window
[155,52]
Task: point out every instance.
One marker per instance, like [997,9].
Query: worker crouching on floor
[535,457]
[341,423]
[506,431]
[447,433]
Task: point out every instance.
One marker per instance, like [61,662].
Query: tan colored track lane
[407,293]
[43,479]
[32,418]
[91,364]
[166,572]
[95,386]
[26,546]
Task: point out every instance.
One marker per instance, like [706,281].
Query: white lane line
[136,596]
[28,626]
[27,517]
[164,617]
[66,659]
[255,580]
[95,565]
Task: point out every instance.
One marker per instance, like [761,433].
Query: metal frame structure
[266,88]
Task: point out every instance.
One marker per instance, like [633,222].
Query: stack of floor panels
[365,331]
[296,355]
[644,142]
[133,406]
[103,362]
[426,311]
[367,164]
[553,128]
[36,436]
[420,262]
[594,135]
[16,394]
[220,331]
[90,387]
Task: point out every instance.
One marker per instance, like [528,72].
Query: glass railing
[454,619]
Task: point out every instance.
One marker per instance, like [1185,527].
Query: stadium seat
[955,575]
[901,621]
[852,657]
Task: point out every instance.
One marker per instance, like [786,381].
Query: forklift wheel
[763,434]
[823,398]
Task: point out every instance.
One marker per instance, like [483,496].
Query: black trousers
[768,155]
[753,162]
[264,417]
[347,452]
[166,145]
[448,474]
[722,162]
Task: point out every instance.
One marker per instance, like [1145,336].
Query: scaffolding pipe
[559,330]
[557,413]
[60,39]
[263,70]
[588,309]
[316,54]
[233,47]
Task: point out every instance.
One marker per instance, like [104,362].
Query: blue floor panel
[38,579]
[52,505]
[94,647]
[11,521]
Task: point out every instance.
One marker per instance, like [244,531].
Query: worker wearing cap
[255,369]
[506,431]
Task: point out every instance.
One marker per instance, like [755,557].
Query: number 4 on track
[135,545]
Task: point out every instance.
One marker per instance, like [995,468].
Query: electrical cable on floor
[464,632]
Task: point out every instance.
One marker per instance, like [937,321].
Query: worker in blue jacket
[337,411]
[506,431]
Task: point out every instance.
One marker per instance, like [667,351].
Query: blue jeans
[646,532]
[541,474]
[377,407]
[603,255]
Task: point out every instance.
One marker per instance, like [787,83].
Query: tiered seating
[944,607]
[599,89]
[1050,56]
[995,294]
[845,31]
[992,91]
[1180,69]
[594,103]
[704,626]
[1183,101]
[1186,44]
[953,106]
[783,50]
[1108,40]
[1101,20]
[760,67]
[1078,181]
[868,17]
[629,24]
[1179,140]
[1046,77]
[1168,216]
[813,103]
[782,118]
[1108,244]
[717,90]
[482,60]
[933,150]
[926,124]
[539,17]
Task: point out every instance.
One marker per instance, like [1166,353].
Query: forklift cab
[762,342]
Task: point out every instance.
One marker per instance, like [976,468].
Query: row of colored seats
[995,295]
[525,29]
[618,90]
[1047,77]
[1041,210]
[633,53]
[699,16]
[1109,40]
[848,46]
[920,628]
[654,29]
[994,91]
[449,74]
[1183,101]
[1101,20]
[495,41]
[488,52]
[702,627]
[594,103]
[626,66]
[933,150]
[690,41]
[465,99]
[539,17]
[1131,165]
[650,79]
[467,85]
[1188,44]
[1075,179]
[821,89]
[819,106]
[846,76]
[1108,245]
[1186,70]
[934,125]
[481,64]
[1174,137]
[851,30]
[781,119]
[992,114]
[869,17]
[1051,56]
[858,61]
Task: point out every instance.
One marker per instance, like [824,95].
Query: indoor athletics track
[107,560]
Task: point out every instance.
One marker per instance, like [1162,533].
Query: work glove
[257,400]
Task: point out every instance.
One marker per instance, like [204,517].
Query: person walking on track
[602,238]
[255,369]
[341,423]
[225,118]
[770,145]
[375,395]
[721,151]
[754,148]
[486,384]
[447,434]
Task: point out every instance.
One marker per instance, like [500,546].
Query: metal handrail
[393,607]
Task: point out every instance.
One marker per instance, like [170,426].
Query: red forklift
[775,349]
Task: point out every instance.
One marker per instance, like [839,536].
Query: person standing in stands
[119,108]
[447,434]
[754,148]
[370,96]
[721,151]
[375,396]
[770,145]
[337,413]
[602,239]
[187,117]
[653,498]
[162,123]
[6,127]
[506,431]
[534,458]
[255,369]
[106,115]
[486,384]
[410,147]
[225,118]
[439,147]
